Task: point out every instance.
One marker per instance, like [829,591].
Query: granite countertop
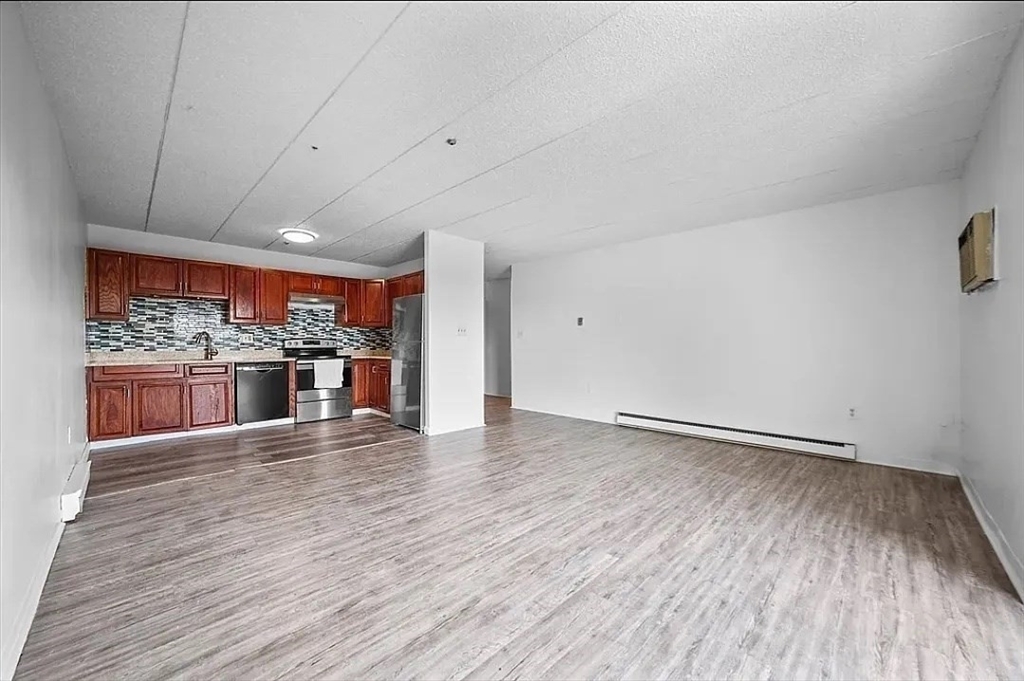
[140,357]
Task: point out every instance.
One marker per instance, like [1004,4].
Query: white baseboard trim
[920,465]
[73,496]
[1011,562]
[18,633]
[367,410]
[142,439]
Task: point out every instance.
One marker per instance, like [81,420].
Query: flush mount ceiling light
[297,236]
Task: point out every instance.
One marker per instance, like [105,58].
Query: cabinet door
[273,297]
[396,289]
[385,387]
[351,313]
[210,403]
[360,383]
[244,295]
[155,276]
[110,410]
[206,279]
[414,283]
[107,285]
[330,286]
[302,283]
[158,406]
[374,300]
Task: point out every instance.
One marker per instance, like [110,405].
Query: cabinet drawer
[124,371]
[207,369]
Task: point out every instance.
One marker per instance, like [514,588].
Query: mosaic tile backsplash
[170,323]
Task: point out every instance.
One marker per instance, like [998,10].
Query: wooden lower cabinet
[380,385]
[360,383]
[158,406]
[210,403]
[110,410]
[126,401]
[371,384]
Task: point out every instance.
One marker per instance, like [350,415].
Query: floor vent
[807,445]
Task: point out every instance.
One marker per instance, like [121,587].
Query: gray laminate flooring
[538,547]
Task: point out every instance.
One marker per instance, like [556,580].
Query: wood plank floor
[127,468]
[537,547]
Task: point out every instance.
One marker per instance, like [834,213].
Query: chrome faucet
[204,337]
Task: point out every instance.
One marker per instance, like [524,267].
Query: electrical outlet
[245,338]
[579,321]
[853,412]
[461,331]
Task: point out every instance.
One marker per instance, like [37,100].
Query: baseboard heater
[806,445]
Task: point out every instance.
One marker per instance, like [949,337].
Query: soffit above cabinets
[578,124]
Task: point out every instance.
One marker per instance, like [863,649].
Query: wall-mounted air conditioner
[977,251]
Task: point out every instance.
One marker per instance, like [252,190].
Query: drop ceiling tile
[107,68]
[437,62]
[251,75]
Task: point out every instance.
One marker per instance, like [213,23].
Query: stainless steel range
[323,385]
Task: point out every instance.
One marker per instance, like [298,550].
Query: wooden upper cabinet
[374,302]
[414,283]
[107,285]
[396,289]
[273,297]
[110,413]
[206,279]
[158,406]
[330,286]
[244,295]
[151,275]
[351,313]
[301,283]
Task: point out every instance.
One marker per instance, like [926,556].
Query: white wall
[781,323]
[42,375]
[134,241]
[454,272]
[992,326]
[498,337]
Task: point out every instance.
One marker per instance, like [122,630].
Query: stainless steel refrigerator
[407,362]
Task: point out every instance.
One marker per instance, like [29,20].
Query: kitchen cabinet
[396,289]
[158,406]
[360,383]
[110,410]
[151,275]
[350,314]
[210,403]
[414,283]
[129,400]
[205,280]
[408,285]
[380,385]
[107,285]
[374,301]
[244,295]
[314,284]
[301,283]
[254,295]
[330,286]
[121,372]
[273,297]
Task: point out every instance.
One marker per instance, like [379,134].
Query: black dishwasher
[261,392]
